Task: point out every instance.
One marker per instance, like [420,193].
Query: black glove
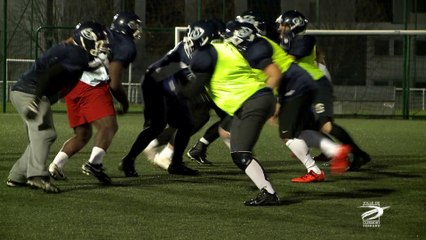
[32,109]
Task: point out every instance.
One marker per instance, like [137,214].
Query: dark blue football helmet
[220,25]
[295,20]
[254,18]
[199,33]
[91,36]
[127,23]
[240,34]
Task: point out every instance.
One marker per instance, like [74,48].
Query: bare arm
[274,75]
[115,73]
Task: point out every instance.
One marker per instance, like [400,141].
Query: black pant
[162,108]
[248,121]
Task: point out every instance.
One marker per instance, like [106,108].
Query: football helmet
[295,20]
[128,24]
[254,18]
[220,26]
[91,36]
[199,33]
[240,34]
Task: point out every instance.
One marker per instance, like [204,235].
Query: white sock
[255,172]
[97,155]
[60,159]
[154,143]
[227,142]
[203,140]
[299,148]
[329,148]
[167,152]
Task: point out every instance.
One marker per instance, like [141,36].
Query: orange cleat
[311,176]
[339,164]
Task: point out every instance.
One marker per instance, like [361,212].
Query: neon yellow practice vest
[233,80]
[279,56]
[308,63]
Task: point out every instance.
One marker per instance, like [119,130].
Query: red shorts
[86,103]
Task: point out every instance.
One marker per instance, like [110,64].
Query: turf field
[157,205]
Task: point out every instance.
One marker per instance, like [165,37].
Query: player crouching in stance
[51,77]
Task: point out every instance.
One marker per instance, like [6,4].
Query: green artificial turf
[157,205]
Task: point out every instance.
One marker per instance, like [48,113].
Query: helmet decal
[254,18]
[199,34]
[240,34]
[91,36]
[196,33]
[295,20]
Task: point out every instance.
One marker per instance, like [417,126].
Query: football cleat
[264,198]
[127,166]
[198,153]
[97,171]
[43,183]
[311,176]
[181,170]
[321,158]
[339,164]
[12,183]
[359,160]
[56,172]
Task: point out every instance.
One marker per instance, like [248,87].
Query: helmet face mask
[188,46]
[128,24]
[91,36]
[295,21]
[101,49]
[240,34]
[199,33]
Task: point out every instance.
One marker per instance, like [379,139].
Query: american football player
[91,102]
[164,106]
[295,90]
[51,77]
[243,94]
[292,25]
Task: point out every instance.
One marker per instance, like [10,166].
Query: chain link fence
[360,65]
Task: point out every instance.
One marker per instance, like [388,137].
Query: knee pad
[242,159]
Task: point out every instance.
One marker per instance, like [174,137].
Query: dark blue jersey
[176,55]
[123,48]
[301,46]
[259,53]
[55,73]
[204,60]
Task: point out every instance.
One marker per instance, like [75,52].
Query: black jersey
[123,48]
[72,59]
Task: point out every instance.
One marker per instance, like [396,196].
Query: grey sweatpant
[41,135]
